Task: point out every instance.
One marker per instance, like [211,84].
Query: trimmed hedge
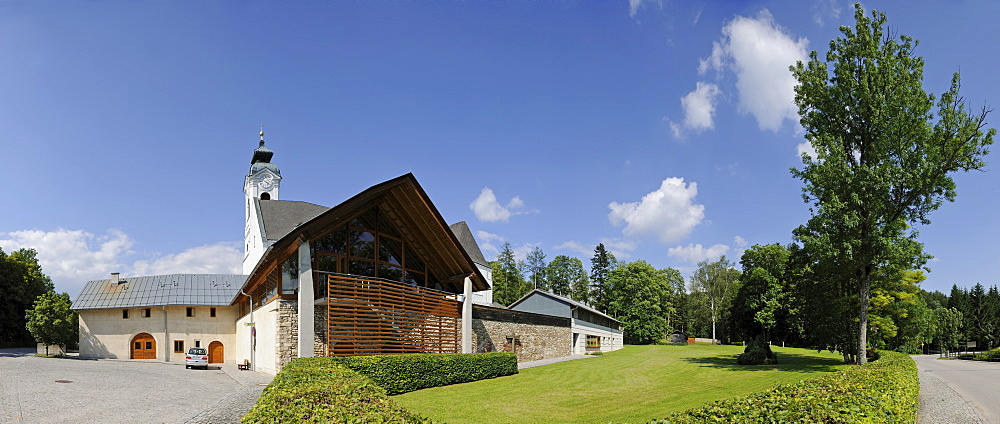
[355,389]
[399,374]
[885,391]
[317,392]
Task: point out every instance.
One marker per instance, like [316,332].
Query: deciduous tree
[21,282]
[883,160]
[716,280]
[52,322]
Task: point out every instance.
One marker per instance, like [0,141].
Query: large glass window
[371,246]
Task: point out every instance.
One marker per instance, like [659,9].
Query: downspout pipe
[253,349]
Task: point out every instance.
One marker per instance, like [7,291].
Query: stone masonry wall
[530,336]
[287,343]
[320,328]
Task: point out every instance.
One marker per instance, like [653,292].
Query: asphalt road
[976,383]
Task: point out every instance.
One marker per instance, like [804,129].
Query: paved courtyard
[36,390]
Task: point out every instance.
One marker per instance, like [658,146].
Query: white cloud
[759,52]
[694,253]
[739,241]
[488,209]
[699,107]
[573,246]
[488,242]
[668,213]
[806,148]
[739,246]
[73,257]
[635,5]
[218,258]
[622,249]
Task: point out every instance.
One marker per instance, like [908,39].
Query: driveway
[36,390]
[957,391]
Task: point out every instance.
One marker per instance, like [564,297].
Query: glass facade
[370,246]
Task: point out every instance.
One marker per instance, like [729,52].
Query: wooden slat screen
[373,317]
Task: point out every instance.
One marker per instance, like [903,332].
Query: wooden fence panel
[373,317]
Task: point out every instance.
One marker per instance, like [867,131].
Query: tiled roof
[283,216]
[158,290]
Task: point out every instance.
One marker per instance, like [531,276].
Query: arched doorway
[216,353]
[143,346]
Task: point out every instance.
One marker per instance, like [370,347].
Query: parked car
[196,357]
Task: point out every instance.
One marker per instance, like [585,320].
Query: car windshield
[196,351]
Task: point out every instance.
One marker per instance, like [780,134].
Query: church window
[265,196]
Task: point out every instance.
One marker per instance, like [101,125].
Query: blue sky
[663,129]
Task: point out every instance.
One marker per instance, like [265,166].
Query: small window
[124,313]
[138,345]
[197,343]
[265,196]
[179,346]
[149,345]
[146,313]
[211,312]
[593,341]
[190,312]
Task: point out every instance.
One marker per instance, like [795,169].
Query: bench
[245,366]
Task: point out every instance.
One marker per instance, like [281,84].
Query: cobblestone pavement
[940,402]
[35,390]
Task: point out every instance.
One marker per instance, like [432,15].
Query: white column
[307,332]
[467,318]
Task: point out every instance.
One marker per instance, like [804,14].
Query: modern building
[593,331]
[379,273]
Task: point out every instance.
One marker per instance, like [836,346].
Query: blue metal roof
[159,290]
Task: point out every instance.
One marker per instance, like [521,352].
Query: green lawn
[632,385]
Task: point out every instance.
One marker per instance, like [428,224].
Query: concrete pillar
[467,317]
[307,332]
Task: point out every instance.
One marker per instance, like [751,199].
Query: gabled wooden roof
[407,206]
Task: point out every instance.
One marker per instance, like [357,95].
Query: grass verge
[635,384]
[884,391]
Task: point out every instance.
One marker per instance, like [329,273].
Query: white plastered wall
[266,319]
[610,340]
[105,334]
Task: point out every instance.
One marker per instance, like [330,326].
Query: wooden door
[216,353]
[143,346]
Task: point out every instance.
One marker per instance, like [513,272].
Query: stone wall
[287,334]
[320,326]
[530,336]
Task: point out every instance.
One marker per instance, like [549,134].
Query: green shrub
[307,391]
[399,374]
[758,352]
[355,389]
[885,391]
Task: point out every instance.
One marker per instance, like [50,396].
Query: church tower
[261,184]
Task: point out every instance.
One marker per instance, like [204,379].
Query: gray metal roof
[158,290]
[283,216]
[562,299]
[464,235]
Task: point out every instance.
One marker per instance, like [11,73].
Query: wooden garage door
[143,346]
[216,354]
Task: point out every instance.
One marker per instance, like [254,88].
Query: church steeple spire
[262,154]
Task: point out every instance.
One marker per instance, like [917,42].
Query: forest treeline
[778,291]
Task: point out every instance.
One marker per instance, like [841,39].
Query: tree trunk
[713,321]
[864,285]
